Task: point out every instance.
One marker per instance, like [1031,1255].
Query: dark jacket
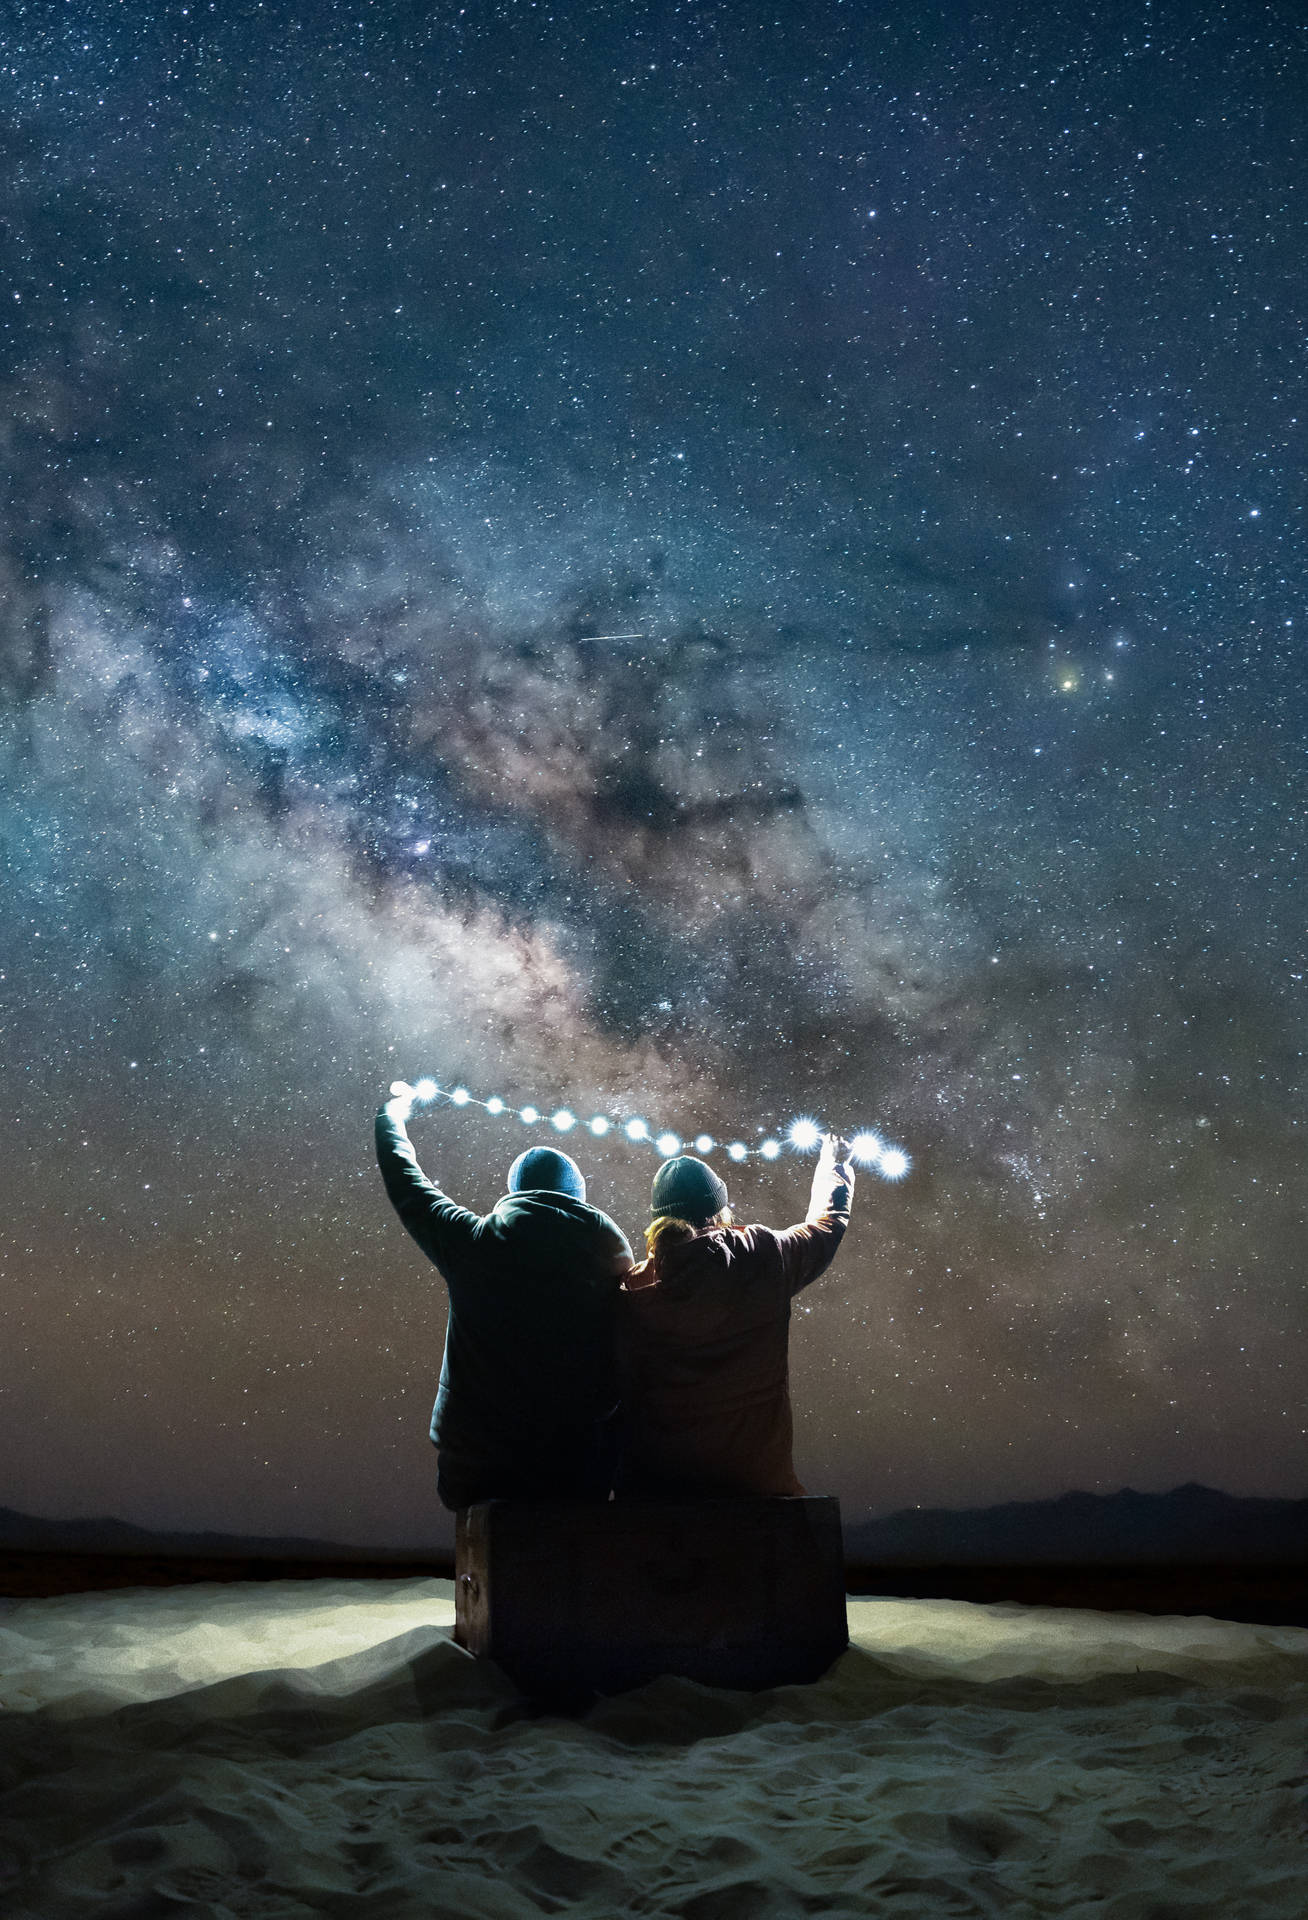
[702,1348]
[529,1370]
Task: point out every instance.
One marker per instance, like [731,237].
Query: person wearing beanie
[704,1328]
[527,1390]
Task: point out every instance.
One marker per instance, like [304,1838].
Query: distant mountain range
[1191,1526]
[25,1532]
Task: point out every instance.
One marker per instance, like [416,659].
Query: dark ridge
[1230,1558]
[1190,1526]
[25,1532]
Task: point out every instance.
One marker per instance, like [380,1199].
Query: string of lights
[802,1136]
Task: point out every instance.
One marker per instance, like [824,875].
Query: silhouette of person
[528,1380]
[703,1333]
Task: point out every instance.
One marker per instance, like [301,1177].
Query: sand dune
[311,1748]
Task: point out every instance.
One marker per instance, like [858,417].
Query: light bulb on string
[803,1135]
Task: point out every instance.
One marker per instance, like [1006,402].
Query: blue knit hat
[542,1170]
[686,1189]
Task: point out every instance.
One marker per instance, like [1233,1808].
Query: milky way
[675,563]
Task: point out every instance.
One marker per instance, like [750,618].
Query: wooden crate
[575,1597]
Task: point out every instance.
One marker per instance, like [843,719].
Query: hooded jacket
[703,1351]
[528,1369]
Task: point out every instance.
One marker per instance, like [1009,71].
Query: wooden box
[575,1597]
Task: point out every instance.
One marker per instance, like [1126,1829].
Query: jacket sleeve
[440,1227]
[618,1255]
[808,1250]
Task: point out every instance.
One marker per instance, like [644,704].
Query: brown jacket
[702,1351]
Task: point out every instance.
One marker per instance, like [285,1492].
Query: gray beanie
[686,1189]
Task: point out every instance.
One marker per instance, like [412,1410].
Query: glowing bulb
[636,1130]
[495,1104]
[865,1147]
[805,1135]
[894,1163]
[668,1144]
[704,1143]
[460,1096]
[737,1151]
[425,1090]
[563,1120]
[530,1115]
[599,1125]
[770,1149]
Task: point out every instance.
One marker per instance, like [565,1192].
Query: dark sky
[929,401]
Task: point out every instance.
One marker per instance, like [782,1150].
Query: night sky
[927,399]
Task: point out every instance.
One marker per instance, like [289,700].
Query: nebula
[677,574]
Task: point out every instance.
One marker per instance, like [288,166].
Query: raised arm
[436,1222]
[808,1250]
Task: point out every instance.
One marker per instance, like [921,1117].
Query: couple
[569,1369]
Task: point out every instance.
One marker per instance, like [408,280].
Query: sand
[321,1748]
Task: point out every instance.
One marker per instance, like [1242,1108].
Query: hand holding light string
[834,1149]
[804,1136]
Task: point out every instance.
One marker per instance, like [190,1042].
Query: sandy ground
[321,1748]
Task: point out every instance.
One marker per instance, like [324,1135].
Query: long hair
[667,1231]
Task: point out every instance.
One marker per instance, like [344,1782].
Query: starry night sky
[928,401]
